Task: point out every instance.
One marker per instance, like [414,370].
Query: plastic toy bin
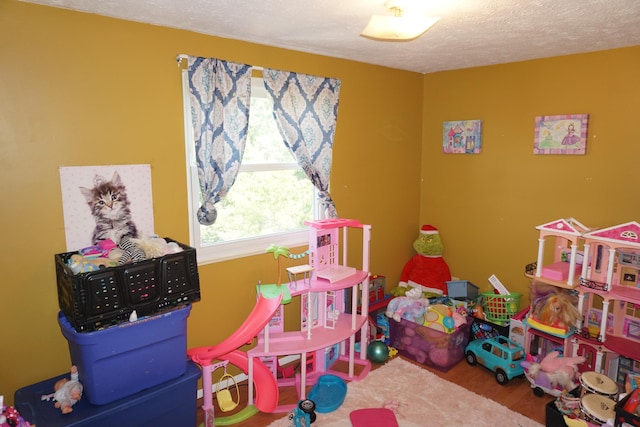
[429,346]
[106,297]
[122,360]
[170,404]
[462,290]
[500,308]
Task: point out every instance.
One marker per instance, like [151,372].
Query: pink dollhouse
[566,260]
[559,262]
[328,328]
[602,266]
[327,333]
[609,296]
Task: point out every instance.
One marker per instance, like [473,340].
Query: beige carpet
[422,399]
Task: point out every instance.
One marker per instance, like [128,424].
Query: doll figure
[66,392]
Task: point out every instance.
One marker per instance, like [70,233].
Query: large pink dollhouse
[602,266]
[609,296]
[328,328]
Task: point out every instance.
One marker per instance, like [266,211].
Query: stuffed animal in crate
[67,392]
[411,307]
[427,269]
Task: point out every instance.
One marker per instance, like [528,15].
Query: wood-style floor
[516,395]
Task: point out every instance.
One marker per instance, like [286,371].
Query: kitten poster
[94,198]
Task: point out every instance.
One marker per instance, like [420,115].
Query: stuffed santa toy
[427,269]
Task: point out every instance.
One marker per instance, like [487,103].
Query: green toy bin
[500,308]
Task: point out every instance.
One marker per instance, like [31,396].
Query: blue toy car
[499,354]
[304,414]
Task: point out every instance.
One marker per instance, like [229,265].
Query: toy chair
[225,400]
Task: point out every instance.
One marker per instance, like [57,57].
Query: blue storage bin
[170,404]
[462,290]
[127,358]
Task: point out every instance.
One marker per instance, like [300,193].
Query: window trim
[225,251]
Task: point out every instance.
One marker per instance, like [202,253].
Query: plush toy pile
[107,254]
[415,308]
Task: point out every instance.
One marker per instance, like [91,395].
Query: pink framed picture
[565,134]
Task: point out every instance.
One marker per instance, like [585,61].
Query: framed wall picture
[565,134]
[462,137]
[132,183]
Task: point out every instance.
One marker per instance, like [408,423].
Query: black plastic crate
[481,329]
[107,297]
[623,417]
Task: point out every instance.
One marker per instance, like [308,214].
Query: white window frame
[224,251]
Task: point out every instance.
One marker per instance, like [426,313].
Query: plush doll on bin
[427,269]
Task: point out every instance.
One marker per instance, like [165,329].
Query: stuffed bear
[427,269]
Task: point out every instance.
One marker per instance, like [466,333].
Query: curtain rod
[182,56]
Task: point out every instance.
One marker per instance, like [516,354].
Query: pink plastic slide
[266,387]
[267,391]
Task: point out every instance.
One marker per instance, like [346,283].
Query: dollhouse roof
[569,226]
[333,223]
[627,234]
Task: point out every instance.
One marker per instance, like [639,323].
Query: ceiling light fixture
[399,26]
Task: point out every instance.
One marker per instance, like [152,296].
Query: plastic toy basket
[500,308]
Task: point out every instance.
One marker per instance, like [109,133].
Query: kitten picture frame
[79,222]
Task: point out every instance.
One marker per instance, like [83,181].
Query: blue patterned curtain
[306,108]
[220,95]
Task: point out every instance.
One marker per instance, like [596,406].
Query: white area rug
[422,399]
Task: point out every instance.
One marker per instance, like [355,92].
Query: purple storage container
[428,346]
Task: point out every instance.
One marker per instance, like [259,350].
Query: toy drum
[597,409]
[596,383]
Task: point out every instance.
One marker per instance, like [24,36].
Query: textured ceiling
[470,33]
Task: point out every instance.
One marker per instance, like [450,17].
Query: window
[269,201]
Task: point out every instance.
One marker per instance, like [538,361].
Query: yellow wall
[79,89]
[488,205]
